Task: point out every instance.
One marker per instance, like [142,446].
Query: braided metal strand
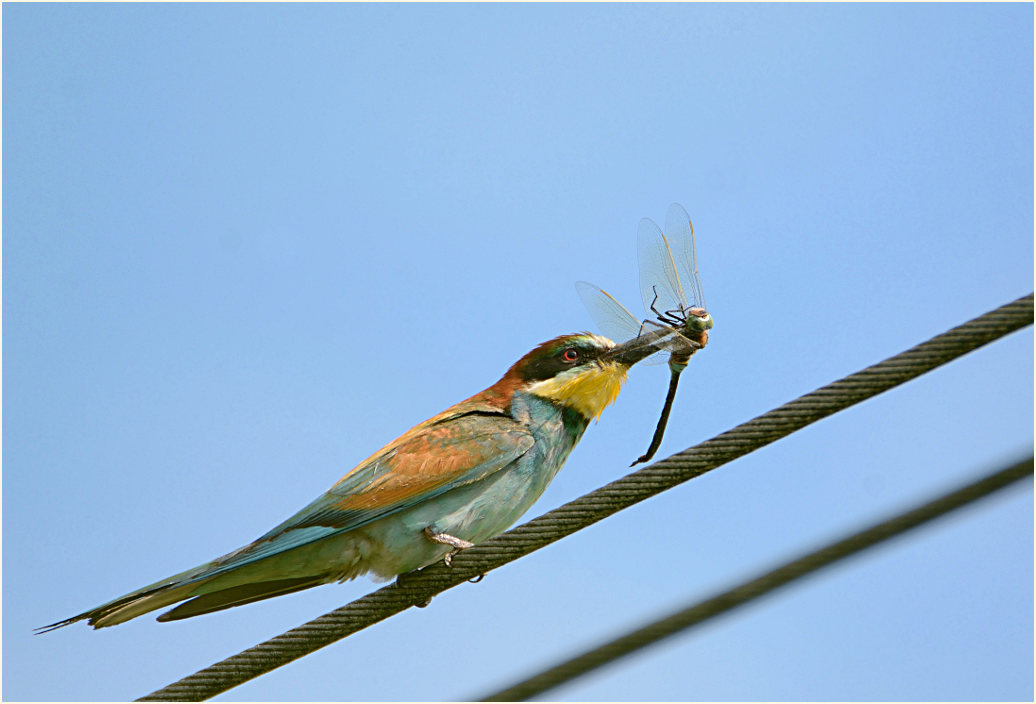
[417,588]
[759,586]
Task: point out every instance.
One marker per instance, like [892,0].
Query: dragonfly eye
[570,355]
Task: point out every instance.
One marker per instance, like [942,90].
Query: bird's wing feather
[441,454]
[464,444]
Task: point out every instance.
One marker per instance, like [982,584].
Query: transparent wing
[680,233]
[660,284]
[613,318]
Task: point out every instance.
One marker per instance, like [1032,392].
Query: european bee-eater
[455,480]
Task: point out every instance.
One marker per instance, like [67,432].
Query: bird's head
[575,371]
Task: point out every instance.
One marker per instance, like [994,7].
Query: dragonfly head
[699,320]
[695,329]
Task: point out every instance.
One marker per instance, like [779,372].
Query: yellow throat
[588,390]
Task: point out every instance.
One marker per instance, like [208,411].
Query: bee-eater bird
[455,480]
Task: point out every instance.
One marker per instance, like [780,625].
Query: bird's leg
[458,544]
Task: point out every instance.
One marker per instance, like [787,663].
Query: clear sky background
[246,245]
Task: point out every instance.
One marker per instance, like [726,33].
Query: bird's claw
[458,544]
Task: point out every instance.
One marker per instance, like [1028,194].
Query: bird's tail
[280,562]
[236,596]
[151,598]
[131,605]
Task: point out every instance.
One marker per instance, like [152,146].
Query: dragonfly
[670,286]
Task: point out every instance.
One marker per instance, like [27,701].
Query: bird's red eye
[570,355]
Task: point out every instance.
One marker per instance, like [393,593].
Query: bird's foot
[458,544]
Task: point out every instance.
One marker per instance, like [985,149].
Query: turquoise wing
[430,460]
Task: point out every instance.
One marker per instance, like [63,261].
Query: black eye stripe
[560,361]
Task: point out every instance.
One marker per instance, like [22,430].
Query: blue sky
[246,245]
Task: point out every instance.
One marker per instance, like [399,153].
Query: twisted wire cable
[751,589]
[417,588]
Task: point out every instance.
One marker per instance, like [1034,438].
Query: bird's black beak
[645,345]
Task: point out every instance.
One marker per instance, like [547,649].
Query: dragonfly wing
[611,317]
[680,234]
[660,284]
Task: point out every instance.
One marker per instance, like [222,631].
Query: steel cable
[751,589]
[417,588]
